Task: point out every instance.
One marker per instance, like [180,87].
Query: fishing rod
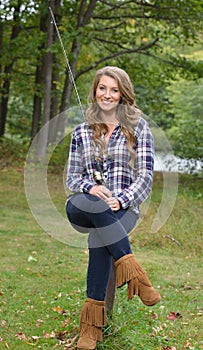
[98,174]
[67,63]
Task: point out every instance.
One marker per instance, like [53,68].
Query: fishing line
[98,173]
[67,63]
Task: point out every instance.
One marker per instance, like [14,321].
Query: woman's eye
[115,90]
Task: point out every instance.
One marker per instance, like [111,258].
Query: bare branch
[174,240]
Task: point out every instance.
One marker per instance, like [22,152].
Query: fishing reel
[98,178]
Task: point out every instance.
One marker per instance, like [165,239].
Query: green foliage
[186,105]
[19,117]
[59,156]
[13,152]
[154,41]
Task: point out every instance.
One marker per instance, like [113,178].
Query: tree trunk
[85,12]
[55,77]
[44,132]
[2,121]
[5,86]
[39,80]
[37,103]
[4,99]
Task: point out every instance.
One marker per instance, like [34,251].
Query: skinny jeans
[108,237]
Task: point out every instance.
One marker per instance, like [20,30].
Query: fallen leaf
[38,323]
[200,313]
[70,342]
[3,323]
[66,322]
[31,258]
[35,337]
[61,335]
[60,310]
[157,329]
[173,316]
[21,336]
[49,335]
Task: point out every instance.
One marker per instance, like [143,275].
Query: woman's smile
[107,93]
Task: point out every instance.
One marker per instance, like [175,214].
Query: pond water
[171,163]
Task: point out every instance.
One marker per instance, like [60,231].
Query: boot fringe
[93,313]
[135,283]
[90,332]
[128,270]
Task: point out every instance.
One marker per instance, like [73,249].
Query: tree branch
[85,15]
[89,11]
[116,54]
[158,58]
[123,6]
[174,240]
[110,27]
[81,13]
[109,42]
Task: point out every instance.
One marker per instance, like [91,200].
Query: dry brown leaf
[49,335]
[61,335]
[70,342]
[21,336]
[173,316]
[60,310]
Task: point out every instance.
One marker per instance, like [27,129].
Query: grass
[42,281]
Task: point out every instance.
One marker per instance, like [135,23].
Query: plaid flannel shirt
[130,186]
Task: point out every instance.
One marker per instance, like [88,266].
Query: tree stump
[111,290]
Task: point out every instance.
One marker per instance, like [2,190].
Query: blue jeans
[108,237]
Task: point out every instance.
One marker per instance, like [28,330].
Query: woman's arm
[76,181]
[140,189]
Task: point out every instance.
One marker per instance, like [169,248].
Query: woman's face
[107,93]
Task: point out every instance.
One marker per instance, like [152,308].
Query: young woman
[110,172]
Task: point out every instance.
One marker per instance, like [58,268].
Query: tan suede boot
[92,319]
[128,270]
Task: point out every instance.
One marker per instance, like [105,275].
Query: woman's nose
[107,93]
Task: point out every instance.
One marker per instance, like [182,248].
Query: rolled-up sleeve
[140,188]
[76,181]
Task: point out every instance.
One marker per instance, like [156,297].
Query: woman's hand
[104,193]
[113,203]
[100,191]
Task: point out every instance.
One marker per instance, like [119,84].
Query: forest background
[42,280]
[158,42]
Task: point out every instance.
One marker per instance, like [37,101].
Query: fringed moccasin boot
[128,270]
[92,319]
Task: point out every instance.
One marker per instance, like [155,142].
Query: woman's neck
[109,119]
[111,127]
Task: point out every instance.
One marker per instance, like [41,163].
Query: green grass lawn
[42,281]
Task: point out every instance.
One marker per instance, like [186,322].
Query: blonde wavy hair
[127,110]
